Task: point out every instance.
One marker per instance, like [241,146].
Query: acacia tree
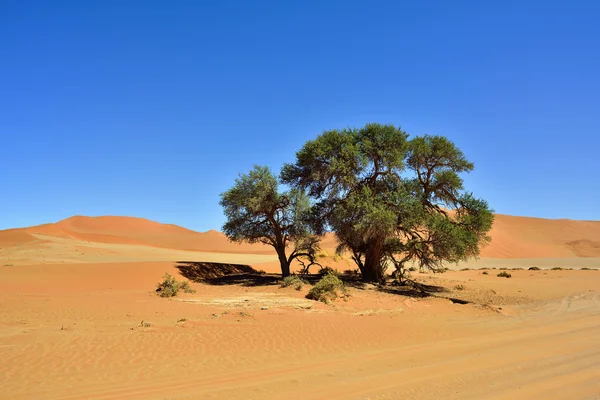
[257,213]
[388,198]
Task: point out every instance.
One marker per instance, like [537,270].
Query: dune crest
[512,237]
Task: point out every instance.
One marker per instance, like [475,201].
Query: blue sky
[152,108]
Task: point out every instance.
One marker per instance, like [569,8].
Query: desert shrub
[504,274]
[516,269]
[328,271]
[459,287]
[412,269]
[503,269]
[170,286]
[556,269]
[465,269]
[351,273]
[588,269]
[534,268]
[185,286]
[293,280]
[328,288]
[484,273]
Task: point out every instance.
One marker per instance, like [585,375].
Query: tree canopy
[391,198]
[257,212]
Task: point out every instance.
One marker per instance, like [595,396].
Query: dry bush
[328,288]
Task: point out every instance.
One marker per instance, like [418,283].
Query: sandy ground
[79,320]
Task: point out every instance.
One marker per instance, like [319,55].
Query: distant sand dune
[512,238]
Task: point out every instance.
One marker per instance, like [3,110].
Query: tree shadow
[414,289]
[220,274]
[214,273]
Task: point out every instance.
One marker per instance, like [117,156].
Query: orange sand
[79,320]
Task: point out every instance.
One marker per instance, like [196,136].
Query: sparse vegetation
[170,286]
[588,269]
[484,273]
[351,273]
[293,280]
[328,270]
[534,268]
[185,286]
[327,289]
[557,269]
[504,274]
[412,269]
[459,287]
[465,269]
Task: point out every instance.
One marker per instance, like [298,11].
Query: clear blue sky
[152,108]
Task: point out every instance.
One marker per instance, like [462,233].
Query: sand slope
[512,237]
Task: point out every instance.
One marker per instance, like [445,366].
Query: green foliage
[328,270]
[389,198]
[293,280]
[557,269]
[504,274]
[170,286]
[327,289]
[257,212]
[185,286]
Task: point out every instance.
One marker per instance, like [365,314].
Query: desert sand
[79,320]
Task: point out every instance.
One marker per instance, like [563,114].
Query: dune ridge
[512,237]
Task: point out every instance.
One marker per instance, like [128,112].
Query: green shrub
[169,287]
[185,286]
[588,269]
[484,273]
[534,268]
[293,280]
[504,274]
[328,271]
[328,288]
[556,269]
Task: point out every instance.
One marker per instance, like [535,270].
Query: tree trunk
[371,271]
[283,261]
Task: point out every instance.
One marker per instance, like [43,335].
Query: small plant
[328,288]
[185,286]
[534,268]
[465,269]
[588,269]
[293,280]
[170,286]
[504,274]
[412,269]
[328,271]
[459,287]
[557,269]
[484,273]
[503,269]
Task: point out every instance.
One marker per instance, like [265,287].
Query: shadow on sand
[214,273]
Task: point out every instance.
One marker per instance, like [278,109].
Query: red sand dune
[512,237]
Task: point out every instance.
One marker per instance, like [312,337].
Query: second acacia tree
[258,212]
[391,199]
